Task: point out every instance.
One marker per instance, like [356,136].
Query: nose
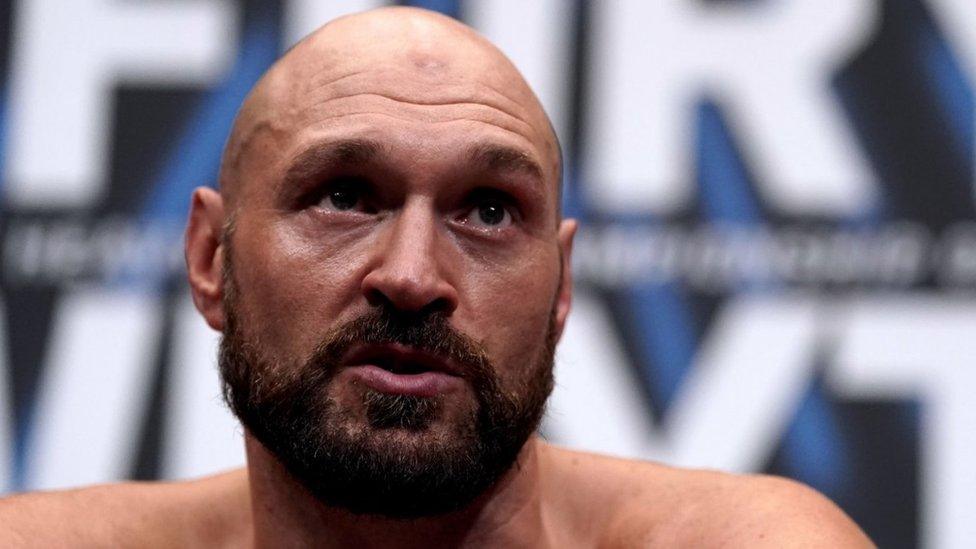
[408,267]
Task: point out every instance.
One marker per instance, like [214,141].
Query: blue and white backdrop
[776,270]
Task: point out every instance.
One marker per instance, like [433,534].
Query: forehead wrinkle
[446,93]
[320,78]
[431,103]
[460,92]
[515,124]
[456,87]
[391,79]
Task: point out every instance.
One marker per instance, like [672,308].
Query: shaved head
[401,54]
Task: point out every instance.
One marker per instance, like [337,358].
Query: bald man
[388,264]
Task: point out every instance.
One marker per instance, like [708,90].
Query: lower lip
[424,384]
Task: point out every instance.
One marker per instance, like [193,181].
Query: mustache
[428,332]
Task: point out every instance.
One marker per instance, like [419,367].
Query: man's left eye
[491,213]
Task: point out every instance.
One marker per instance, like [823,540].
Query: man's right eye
[342,196]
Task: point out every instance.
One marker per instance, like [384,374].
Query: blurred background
[776,270]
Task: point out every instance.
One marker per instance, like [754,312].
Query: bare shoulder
[648,504]
[209,512]
[766,511]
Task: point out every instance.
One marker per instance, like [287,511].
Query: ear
[567,230]
[205,255]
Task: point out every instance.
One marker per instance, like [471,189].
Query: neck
[287,515]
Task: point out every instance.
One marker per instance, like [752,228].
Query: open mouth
[401,367]
[400,359]
[398,369]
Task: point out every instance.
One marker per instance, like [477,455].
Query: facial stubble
[393,465]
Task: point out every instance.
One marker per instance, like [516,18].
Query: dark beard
[409,412]
[375,470]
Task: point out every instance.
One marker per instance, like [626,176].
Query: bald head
[395,63]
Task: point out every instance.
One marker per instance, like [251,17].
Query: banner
[775,271]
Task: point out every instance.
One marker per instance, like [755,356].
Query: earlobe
[204,255]
[567,231]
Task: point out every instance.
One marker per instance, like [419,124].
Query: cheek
[513,307]
[292,290]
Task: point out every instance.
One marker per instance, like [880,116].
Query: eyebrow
[348,152]
[495,157]
[310,163]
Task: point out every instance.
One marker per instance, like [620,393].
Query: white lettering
[956,17]
[93,389]
[66,58]
[543,59]
[924,348]
[744,386]
[202,436]
[596,404]
[767,65]
[742,390]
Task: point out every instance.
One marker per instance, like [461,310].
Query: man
[389,267]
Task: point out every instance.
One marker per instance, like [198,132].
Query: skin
[379,96]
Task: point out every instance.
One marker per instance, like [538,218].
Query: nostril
[439,305]
[408,289]
[377,298]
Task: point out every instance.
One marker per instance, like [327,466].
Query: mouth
[398,369]
[400,359]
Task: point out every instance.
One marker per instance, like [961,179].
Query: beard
[397,463]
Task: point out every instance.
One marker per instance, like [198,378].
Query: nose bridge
[407,272]
[411,244]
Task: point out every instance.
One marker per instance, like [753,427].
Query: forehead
[414,100]
[394,105]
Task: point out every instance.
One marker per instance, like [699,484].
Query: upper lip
[396,357]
